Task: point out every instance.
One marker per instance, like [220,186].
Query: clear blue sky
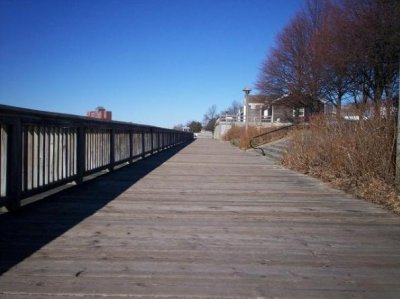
[159,62]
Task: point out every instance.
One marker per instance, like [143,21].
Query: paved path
[208,222]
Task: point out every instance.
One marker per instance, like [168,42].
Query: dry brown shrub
[233,133]
[357,156]
[241,137]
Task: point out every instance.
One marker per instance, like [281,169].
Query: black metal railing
[42,150]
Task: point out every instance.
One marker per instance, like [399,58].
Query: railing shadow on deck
[24,232]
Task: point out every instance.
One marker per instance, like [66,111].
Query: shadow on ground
[35,225]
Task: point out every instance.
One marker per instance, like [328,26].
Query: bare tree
[291,69]
[234,108]
[210,118]
[178,127]
[336,49]
[374,28]
[331,54]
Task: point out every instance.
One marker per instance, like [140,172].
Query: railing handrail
[277,129]
[268,133]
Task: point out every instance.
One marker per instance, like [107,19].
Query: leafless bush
[357,156]
[241,137]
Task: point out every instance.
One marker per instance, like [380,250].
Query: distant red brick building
[100,113]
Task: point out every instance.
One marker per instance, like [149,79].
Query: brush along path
[208,222]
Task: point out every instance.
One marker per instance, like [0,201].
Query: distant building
[261,109]
[258,109]
[100,113]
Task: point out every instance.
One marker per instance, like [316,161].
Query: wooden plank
[209,221]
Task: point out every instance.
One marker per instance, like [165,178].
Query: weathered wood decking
[209,221]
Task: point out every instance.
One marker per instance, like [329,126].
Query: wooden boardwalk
[202,221]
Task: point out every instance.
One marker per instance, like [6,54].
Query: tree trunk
[339,107]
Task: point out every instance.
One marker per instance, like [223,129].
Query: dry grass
[241,137]
[356,156]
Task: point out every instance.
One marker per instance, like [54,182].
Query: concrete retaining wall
[222,128]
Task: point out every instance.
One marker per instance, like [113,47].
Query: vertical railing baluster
[81,154]
[25,158]
[14,169]
[112,149]
[159,141]
[131,145]
[143,145]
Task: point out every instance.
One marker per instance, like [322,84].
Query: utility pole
[246,91]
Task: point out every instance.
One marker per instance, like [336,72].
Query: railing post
[130,146]
[152,139]
[14,168]
[81,154]
[112,149]
[158,141]
[143,145]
